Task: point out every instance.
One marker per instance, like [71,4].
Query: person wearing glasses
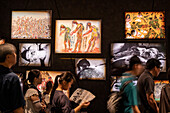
[146,86]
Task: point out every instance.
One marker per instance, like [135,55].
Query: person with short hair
[11,96]
[164,106]
[130,101]
[146,86]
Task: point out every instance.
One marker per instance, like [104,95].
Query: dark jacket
[165,99]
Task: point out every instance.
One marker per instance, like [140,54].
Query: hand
[85,104]
[43,105]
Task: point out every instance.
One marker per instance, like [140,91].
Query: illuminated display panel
[35,54]
[78,36]
[144,25]
[90,68]
[31,25]
[122,52]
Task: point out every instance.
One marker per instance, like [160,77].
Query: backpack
[115,102]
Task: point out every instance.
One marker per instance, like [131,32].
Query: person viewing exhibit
[146,86]
[130,100]
[33,97]
[59,101]
[11,96]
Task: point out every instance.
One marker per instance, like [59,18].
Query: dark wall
[111,12]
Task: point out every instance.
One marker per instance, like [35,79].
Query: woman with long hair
[33,96]
[59,101]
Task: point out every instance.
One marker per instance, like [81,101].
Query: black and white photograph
[122,52]
[91,68]
[81,95]
[35,54]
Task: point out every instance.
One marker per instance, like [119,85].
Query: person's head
[132,32]
[62,27]
[84,63]
[35,77]
[65,80]
[74,22]
[8,54]
[88,25]
[153,65]
[127,16]
[49,85]
[135,65]
[29,55]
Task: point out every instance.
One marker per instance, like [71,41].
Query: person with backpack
[130,100]
[33,97]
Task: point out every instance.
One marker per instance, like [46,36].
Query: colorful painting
[90,68]
[35,54]
[122,52]
[144,25]
[158,87]
[31,25]
[78,36]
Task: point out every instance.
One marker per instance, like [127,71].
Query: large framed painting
[122,52]
[78,36]
[145,25]
[31,24]
[35,54]
[91,68]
